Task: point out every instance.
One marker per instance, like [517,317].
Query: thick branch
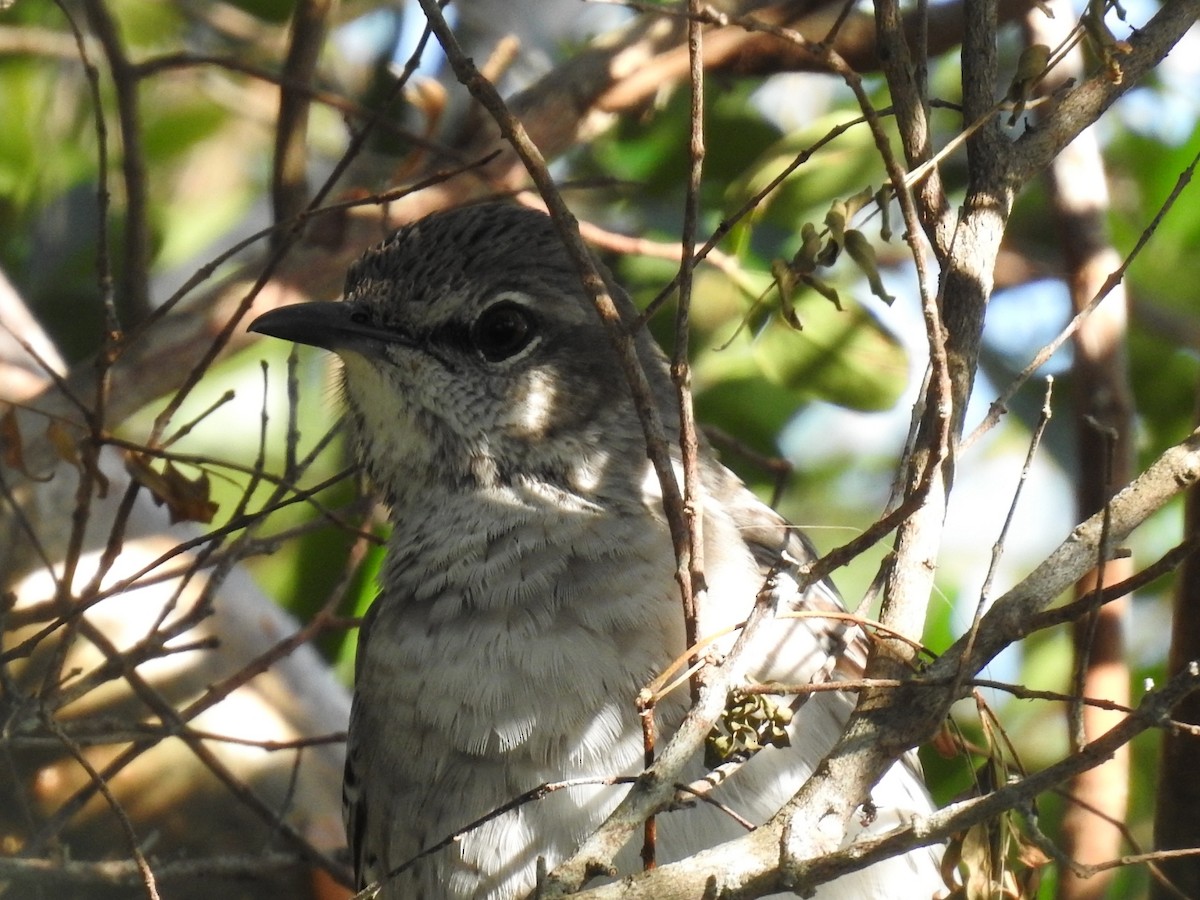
[749,867]
[1034,150]
[883,731]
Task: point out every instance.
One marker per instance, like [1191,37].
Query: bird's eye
[503,330]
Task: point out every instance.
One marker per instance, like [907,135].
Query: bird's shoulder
[783,555]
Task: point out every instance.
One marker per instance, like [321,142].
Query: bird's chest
[496,660]
[523,641]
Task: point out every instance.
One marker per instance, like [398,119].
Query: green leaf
[841,168]
[843,356]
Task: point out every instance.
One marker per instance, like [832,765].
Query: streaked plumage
[528,590]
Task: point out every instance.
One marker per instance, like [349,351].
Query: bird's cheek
[367,389]
[384,410]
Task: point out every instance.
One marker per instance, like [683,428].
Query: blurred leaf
[173,130]
[28,173]
[650,152]
[753,409]
[275,11]
[844,357]
[785,284]
[12,447]
[841,169]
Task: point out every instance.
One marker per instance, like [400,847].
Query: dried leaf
[826,290]
[65,446]
[805,259]
[1032,856]
[785,283]
[186,499]
[191,498]
[863,254]
[883,199]
[951,858]
[945,743]
[1106,44]
[427,96]
[1030,68]
[856,202]
[836,219]
[979,862]
[12,448]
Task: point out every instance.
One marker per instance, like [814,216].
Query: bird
[528,590]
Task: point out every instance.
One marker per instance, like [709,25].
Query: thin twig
[999,406]
[135,276]
[139,859]
[1035,441]
[289,175]
[690,572]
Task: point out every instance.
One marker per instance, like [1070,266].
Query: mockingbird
[528,590]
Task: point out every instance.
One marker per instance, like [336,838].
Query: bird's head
[472,354]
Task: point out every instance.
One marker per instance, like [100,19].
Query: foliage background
[838,409]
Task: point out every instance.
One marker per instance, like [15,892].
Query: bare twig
[691,563]
[998,548]
[747,866]
[143,866]
[135,294]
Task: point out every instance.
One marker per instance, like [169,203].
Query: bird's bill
[327,325]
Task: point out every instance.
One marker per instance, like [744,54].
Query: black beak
[332,326]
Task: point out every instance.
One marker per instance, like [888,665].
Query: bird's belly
[475,720]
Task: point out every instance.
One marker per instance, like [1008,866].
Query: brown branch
[879,732]
[1073,611]
[999,406]
[554,126]
[75,874]
[748,866]
[134,298]
[311,93]
[930,464]
[690,572]
[145,875]
[735,50]
[289,178]
[175,720]
[1034,150]
[1177,795]
[1104,429]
